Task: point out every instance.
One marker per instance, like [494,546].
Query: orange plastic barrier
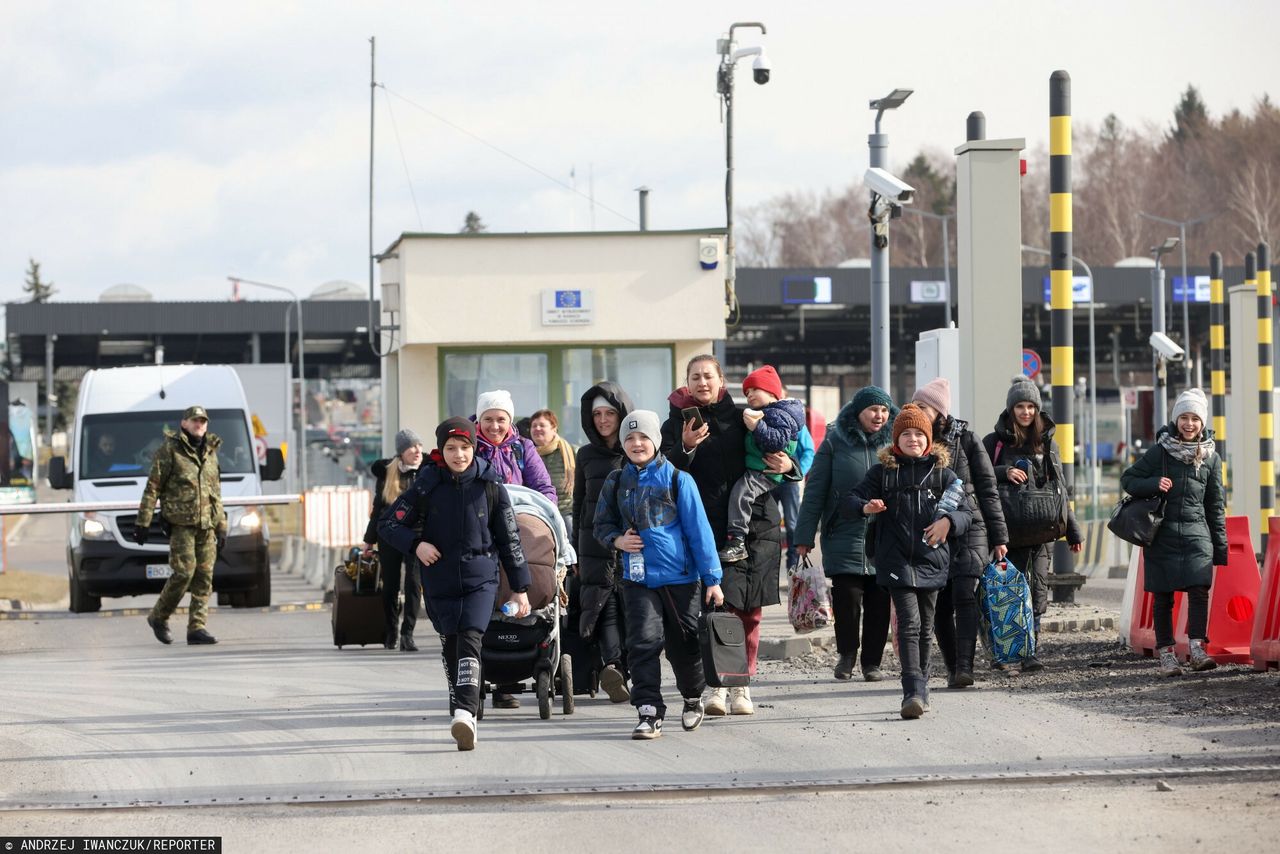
[1142,625]
[1232,600]
[1264,647]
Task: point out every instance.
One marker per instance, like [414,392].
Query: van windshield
[122,444]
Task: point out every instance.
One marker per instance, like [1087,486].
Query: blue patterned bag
[1008,620]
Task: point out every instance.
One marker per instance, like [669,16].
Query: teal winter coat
[1192,539]
[846,455]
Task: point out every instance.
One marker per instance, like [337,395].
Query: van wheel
[82,602]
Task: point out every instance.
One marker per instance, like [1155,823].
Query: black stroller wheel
[566,684]
[544,694]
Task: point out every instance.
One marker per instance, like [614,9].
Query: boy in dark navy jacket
[457,521]
[652,512]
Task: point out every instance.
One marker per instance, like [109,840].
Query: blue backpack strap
[517,451]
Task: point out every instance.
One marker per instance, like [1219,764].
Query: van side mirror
[59,477]
[273,469]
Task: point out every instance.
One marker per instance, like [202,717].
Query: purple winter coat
[522,466]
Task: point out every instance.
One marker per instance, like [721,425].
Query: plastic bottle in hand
[510,609]
[949,501]
[635,566]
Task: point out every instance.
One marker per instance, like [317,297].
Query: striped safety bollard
[1217,351]
[1266,392]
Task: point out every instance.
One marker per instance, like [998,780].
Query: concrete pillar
[989,275]
[1243,406]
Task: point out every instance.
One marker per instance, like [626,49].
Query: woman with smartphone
[705,435]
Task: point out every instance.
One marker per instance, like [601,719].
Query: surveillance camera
[1166,347]
[760,69]
[887,185]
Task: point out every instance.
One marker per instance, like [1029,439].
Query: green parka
[187,482]
[846,455]
[1192,539]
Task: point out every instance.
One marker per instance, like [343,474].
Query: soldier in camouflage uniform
[185,478]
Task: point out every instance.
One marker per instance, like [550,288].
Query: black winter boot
[844,667]
[200,638]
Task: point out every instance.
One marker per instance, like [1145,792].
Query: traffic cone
[1142,624]
[1232,600]
[1264,647]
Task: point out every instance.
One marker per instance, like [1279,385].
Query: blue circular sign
[1031,363]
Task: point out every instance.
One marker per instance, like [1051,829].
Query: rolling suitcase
[357,615]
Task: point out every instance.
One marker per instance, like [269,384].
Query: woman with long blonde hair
[559,458]
[394,476]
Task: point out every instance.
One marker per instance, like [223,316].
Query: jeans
[393,569]
[461,654]
[956,623]
[915,636]
[745,491]
[787,494]
[854,599]
[658,619]
[1197,615]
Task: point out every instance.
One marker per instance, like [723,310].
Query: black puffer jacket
[379,471]
[910,488]
[969,460]
[451,511]
[716,465]
[597,565]
[1001,446]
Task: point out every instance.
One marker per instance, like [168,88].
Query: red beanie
[765,379]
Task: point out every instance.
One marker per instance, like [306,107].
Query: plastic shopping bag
[809,603]
[1006,616]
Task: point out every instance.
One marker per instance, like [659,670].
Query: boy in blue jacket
[652,512]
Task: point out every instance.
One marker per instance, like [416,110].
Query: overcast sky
[172,144]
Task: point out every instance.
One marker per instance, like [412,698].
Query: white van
[121,416]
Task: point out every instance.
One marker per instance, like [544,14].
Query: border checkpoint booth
[545,316]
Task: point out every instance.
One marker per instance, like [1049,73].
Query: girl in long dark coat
[1192,539]
[393,477]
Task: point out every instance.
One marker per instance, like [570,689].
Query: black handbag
[1035,514]
[1137,520]
[724,650]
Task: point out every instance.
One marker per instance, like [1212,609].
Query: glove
[222,540]
[140,534]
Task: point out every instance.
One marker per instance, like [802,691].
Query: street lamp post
[1186,289]
[1093,376]
[1160,407]
[878,144]
[302,373]
[946,250]
[729,56]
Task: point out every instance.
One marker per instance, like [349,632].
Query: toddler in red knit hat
[773,424]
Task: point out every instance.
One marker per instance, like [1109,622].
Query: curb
[25,611]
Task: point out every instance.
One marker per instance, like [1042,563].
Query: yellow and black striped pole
[1266,390]
[1217,364]
[1062,345]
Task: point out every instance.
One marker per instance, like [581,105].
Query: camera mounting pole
[878,143]
[724,86]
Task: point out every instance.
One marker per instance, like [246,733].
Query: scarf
[501,456]
[569,458]
[1187,453]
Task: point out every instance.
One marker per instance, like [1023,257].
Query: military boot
[200,637]
[161,629]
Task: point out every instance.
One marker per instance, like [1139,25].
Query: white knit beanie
[496,399]
[602,402]
[1191,400]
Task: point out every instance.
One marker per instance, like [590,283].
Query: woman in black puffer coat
[956,618]
[393,477]
[599,595]
[716,455]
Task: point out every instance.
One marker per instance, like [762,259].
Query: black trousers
[658,619]
[915,635]
[956,622]
[461,654]
[1034,564]
[1197,615]
[393,569]
[857,599]
[611,630]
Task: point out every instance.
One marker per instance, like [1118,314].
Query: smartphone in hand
[691,413]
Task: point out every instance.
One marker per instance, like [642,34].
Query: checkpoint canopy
[545,316]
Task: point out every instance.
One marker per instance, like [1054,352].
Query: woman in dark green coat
[1192,539]
[863,427]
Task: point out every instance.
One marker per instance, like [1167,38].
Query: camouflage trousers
[192,552]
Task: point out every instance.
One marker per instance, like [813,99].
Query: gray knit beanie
[1023,390]
[405,440]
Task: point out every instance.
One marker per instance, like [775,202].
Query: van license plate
[162,570]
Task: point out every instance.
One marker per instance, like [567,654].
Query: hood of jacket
[611,392]
[681,398]
[379,468]
[939,452]
[1004,428]
[848,428]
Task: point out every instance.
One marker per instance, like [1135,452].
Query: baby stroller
[516,651]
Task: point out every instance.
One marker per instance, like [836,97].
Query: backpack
[932,481]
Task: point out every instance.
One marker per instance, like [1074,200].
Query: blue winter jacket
[679,547]
[451,511]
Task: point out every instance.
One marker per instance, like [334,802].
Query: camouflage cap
[194,412]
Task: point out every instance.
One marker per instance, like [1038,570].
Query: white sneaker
[717,705]
[691,717]
[463,729]
[1201,660]
[1169,665]
[740,702]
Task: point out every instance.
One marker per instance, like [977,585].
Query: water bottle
[510,609]
[635,566]
[949,501]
